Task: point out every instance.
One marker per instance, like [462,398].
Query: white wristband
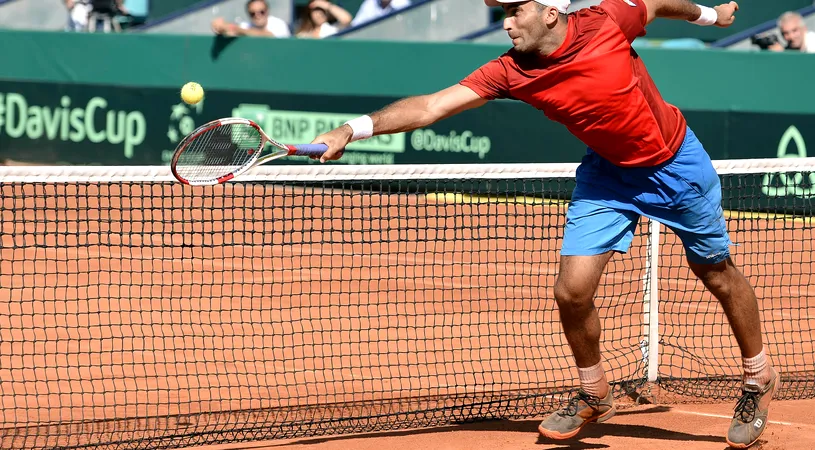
[708,17]
[362,126]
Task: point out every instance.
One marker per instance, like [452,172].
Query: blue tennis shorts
[683,193]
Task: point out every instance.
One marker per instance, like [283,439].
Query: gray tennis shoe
[581,409]
[750,417]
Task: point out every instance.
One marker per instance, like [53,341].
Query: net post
[651,306]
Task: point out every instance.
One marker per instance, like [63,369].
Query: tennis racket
[220,150]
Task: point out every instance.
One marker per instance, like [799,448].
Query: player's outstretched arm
[406,114]
[721,16]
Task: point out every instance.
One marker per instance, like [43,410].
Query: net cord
[338,172]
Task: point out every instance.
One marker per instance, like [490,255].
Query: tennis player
[643,159]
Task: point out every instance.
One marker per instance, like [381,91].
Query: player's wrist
[348,132]
[708,17]
[361,128]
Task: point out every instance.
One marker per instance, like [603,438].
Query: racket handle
[308,149]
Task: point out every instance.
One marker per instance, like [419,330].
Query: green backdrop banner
[48,123]
[73,98]
[162,8]
[701,80]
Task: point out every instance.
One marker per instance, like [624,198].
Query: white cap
[561,5]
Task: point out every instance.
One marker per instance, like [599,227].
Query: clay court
[158,314]
[657,427]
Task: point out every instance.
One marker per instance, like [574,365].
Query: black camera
[764,41]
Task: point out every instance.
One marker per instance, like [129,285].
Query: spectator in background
[78,11]
[321,18]
[105,11]
[261,23]
[794,31]
[373,9]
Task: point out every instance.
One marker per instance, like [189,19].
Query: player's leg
[596,226]
[738,300]
[726,282]
[697,218]
[760,381]
[577,282]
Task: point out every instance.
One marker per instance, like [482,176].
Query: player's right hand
[727,14]
[336,140]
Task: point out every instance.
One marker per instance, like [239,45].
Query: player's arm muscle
[403,115]
[678,9]
[672,9]
[420,111]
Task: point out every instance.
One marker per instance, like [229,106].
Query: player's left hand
[727,14]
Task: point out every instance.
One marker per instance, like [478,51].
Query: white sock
[593,380]
[757,369]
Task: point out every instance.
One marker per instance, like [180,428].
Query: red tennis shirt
[595,84]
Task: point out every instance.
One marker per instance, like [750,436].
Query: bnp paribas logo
[181,123]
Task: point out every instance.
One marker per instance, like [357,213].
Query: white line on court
[722,416]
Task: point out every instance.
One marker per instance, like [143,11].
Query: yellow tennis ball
[192,93]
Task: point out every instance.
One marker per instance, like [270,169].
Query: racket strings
[219,151]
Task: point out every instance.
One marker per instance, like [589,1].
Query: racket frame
[280,151]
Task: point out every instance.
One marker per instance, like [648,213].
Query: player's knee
[718,278]
[573,299]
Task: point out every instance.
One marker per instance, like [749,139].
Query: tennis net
[136,312]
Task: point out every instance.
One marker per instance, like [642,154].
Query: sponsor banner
[45,128]
[801,185]
[44,123]
[762,136]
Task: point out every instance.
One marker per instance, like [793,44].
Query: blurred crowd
[791,35]
[322,18]
[93,15]
[795,35]
[318,19]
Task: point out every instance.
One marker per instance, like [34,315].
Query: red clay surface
[652,427]
[144,301]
